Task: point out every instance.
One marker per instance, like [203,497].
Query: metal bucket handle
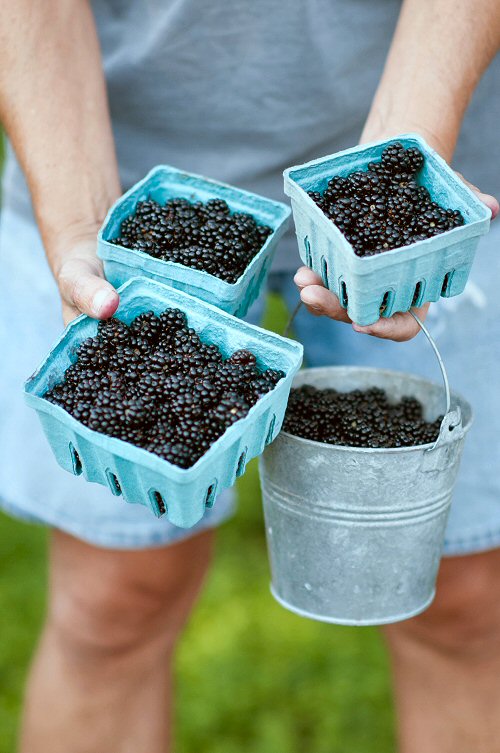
[452,419]
[451,424]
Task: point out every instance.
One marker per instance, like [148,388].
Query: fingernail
[99,301]
[359,328]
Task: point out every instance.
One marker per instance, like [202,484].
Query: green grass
[255,678]
[251,677]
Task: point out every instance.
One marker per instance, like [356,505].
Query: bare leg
[447,663]
[101,677]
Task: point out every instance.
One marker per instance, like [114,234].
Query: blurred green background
[251,677]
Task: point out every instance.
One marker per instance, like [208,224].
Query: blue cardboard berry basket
[380,285]
[163,183]
[136,474]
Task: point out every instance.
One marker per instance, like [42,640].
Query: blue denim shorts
[33,487]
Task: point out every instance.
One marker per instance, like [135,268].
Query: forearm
[54,108]
[438,54]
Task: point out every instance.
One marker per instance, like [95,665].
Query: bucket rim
[379,450]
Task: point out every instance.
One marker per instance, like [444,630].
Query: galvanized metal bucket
[355,535]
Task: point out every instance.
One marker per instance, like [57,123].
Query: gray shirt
[238,91]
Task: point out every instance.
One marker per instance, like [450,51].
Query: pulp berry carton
[164,183]
[140,477]
[379,285]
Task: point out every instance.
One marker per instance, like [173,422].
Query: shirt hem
[115,540]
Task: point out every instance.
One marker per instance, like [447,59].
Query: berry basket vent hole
[344,298]
[75,461]
[307,247]
[158,502]
[240,470]
[385,307]
[324,272]
[210,495]
[446,283]
[113,483]
[417,295]
[270,431]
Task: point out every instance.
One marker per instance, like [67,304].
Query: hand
[490,201]
[321,302]
[81,282]
[399,327]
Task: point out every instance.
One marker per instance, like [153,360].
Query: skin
[114,616]
[446,662]
[101,678]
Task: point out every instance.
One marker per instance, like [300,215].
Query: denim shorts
[33,487]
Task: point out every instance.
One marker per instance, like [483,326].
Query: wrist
[440,136]
[67,225]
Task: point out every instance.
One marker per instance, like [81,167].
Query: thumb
[84,290]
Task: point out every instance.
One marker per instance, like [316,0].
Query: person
[237,92]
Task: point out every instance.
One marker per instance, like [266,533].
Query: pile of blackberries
[156,384]
[384,207]
[361,418]
[201,236]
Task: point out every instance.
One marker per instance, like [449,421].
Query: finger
[69,313]
[322,302]
[84,289]
[486,198]
[305,276]
[399,327]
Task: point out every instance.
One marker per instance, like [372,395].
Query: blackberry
[112,332]
[147,326]
[187,407]
[61,395]
[196,444]
[152,386]
[91,354]
[239,379]
[178,454]
[211,355]
[243,357]
[384,207]
[139,345]
[161,433]
[272,376]
[231,408]
[358,418]
[73,374]
[207,237]
[171,321]
[415,158]
[156,384]
[207,393]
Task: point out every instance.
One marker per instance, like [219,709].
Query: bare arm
[438,54]
[54,109]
